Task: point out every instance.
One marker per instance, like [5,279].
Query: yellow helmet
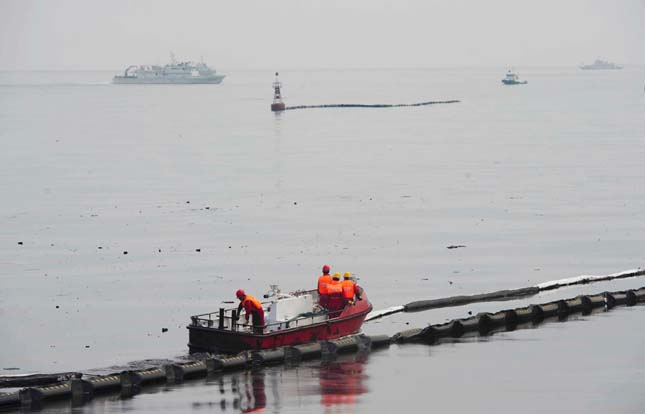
[336,276]
[347,275]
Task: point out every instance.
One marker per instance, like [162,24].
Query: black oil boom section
[288,108]
[81,389]
[502,295]
[513,294]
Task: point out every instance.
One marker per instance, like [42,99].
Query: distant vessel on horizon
[513,79]
[600,64]
[173,73]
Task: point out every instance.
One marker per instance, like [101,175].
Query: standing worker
[323,282]
[335,292]
[253,307]
[349,288]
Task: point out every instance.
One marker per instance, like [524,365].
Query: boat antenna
[172,58]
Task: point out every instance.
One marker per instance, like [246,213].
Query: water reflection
[341,382]
[243,392]
[329,386]
[253,398]
[334,384]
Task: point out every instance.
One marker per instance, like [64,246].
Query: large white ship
[173,73]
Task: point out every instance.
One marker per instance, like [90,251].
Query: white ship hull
[167,80]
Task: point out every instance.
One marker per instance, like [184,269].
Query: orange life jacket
[323,282]
[251,304]
[348,289]
[335,288]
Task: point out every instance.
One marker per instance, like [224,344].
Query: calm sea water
[539,182]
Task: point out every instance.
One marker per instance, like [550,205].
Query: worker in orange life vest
[253,308]
[323,282]
[335,292]
[350,290]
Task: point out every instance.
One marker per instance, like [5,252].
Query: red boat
[290,319]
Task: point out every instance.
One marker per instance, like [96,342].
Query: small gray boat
[600,64]
[513,79]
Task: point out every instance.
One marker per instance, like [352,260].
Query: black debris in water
[198,250]
[164,330]
[19,243]
[455,246]
[125,252]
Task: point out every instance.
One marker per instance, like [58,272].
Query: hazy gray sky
[281,34]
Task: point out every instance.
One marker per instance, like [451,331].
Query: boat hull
[601,67]
[214,340]
[132,80]
[508,82]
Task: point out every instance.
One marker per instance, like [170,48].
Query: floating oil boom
[278,104]
[288,108]
[508,294]
[82,389]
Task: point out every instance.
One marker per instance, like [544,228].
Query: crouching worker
[253,308]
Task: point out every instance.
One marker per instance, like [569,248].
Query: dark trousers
[257,321]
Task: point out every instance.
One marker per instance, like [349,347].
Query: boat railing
[229,320]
